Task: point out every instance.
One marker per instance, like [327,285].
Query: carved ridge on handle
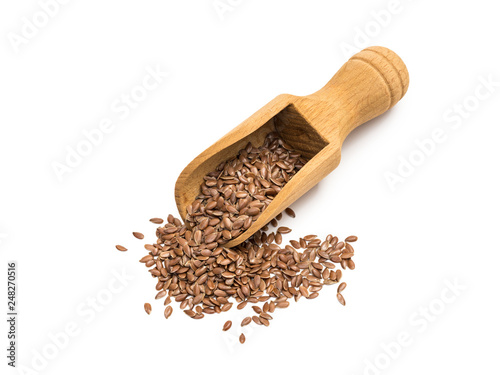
[403,85]
[389,88]
[390,66]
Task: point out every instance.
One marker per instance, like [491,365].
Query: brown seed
[168,311]
[264,321]
[242,338]
[290,212]
[256,320]
[351,239]
[198,298]
[161,294]
[341,299]
[349,247]
[147,308]
[257,309]
[121,248]
[184,304]
[303,290]
[310,237]
[246,321]
[265,308]
[146,259]
[241,305]
[138,235]
[272,307]
[227,325]
[156,220]
[266,316]
[341,287]
[283,305]
[253,211]
[338,275]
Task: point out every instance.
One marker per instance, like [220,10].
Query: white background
[437,227]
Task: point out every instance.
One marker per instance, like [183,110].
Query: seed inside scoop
[234,195]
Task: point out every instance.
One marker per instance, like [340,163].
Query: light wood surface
[367,85]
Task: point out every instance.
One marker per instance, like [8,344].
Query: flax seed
[290,212]
[168,311]
[138,235]
[256,320]
[341,287]
[156,220]
[341,299]
[227,325]
[257,309]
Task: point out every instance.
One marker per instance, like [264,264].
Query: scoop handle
[368,84]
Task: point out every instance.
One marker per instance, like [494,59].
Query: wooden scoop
[367,85]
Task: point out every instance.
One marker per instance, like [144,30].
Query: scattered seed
[266,316]
[121,248]
[264,321]
[246,321]
[138,235]
[242,338]
[313,295]
[257,309]
[147,308]
[227,325]
[283,305]
[241,305]
[156,220]
[290,212]
[341,287]
[161,294]
[341,299]
[168,311]
[272,307]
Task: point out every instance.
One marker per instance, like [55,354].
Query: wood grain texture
[367,85]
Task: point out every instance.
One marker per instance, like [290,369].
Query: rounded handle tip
[390,66]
